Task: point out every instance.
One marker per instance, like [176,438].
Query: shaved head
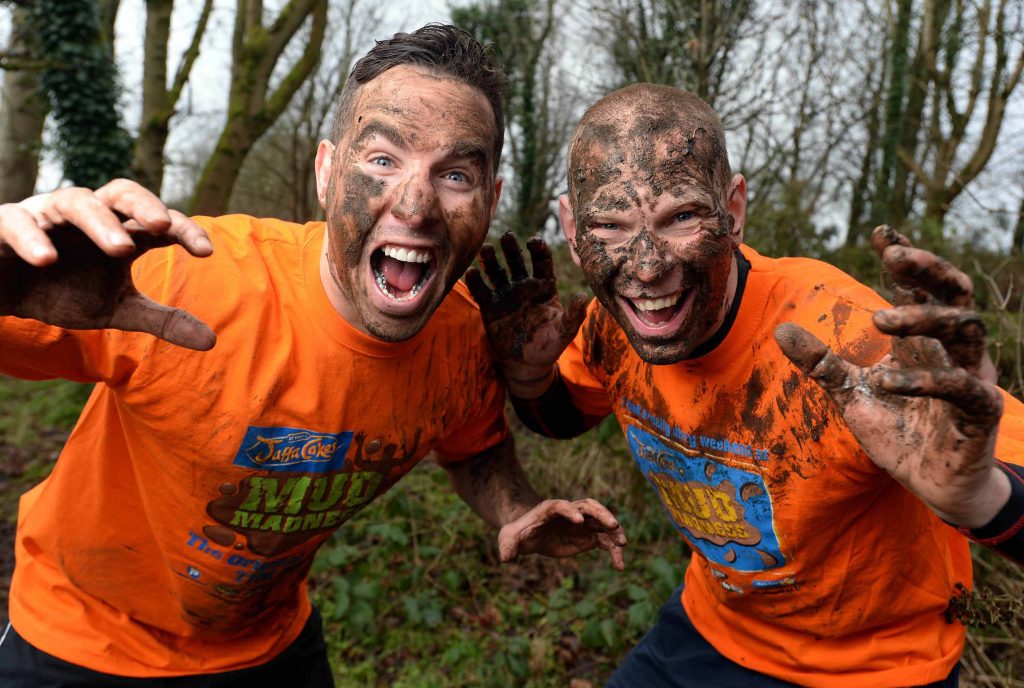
[627,124]
[654,216]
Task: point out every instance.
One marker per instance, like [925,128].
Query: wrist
[514,512]
[528,382]
[989,501]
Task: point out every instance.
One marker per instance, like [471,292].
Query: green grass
[29,409]
[412,593]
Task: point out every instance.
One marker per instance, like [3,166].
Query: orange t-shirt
[176,531]
[810,564]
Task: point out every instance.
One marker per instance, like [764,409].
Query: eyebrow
[693,196]
[469,148]
[377,128]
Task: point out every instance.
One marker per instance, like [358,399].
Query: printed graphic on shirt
[724,510]
[304,488]
[293,449]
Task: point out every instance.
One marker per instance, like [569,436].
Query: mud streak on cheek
[601,266]
[351,221]
[464,239]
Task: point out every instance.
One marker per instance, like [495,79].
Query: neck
[329,281]
[733,292]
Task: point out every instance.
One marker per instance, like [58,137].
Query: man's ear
[568,221]
[498,183]
[736,204]
[322,170]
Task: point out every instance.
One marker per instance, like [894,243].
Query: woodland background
[842,115]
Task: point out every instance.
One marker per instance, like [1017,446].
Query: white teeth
[406,255]
[384,287]
[655,304]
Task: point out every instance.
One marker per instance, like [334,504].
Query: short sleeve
[586,390]
[1010,441]
[484,424]
[32,350]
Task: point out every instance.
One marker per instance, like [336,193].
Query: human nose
[416,200]
[646,259]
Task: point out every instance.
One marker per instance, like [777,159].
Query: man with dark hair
[463,59]
[315,366]
[822,493]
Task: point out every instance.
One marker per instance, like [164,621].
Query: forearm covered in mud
[1005,532]
[553,414]
[493,484]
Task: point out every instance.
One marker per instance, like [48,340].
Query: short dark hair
[441,48]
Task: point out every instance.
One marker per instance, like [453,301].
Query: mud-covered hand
[927,413]
[66,256]
[559,528]
[526,323]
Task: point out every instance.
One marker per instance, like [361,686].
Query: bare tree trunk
[108,14]
[251,110]
[22,113]
[1018,231]
[991,79]
[856,229]
[158,102]
[147,165]
[895,112]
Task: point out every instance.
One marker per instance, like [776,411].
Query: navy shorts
[674,655]
[303,664]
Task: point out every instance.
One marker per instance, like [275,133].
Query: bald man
[824,454]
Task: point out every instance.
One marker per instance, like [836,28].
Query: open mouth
[658,316]
[656,312]
[401,272]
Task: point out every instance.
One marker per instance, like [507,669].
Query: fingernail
[203,243]
[39,251]
[118,239]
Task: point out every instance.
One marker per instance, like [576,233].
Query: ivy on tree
[80,81]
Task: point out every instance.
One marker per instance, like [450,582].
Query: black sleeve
[1005,532]
[553,414]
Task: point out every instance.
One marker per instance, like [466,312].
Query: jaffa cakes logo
[725,511]
[293,450]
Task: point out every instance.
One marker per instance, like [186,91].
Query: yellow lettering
[723,506]
[271,443]
[697,502]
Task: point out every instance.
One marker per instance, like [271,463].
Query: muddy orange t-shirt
[810,564]
[176,531]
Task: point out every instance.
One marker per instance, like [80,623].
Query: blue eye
[383,161]
[684,216]
[608,225]
[457,177]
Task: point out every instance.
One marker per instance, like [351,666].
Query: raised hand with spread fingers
[66,256]
[526,323]
[928,413]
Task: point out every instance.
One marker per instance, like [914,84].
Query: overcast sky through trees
[990,203]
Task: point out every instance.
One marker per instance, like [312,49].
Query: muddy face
[652,230]
[409,191]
